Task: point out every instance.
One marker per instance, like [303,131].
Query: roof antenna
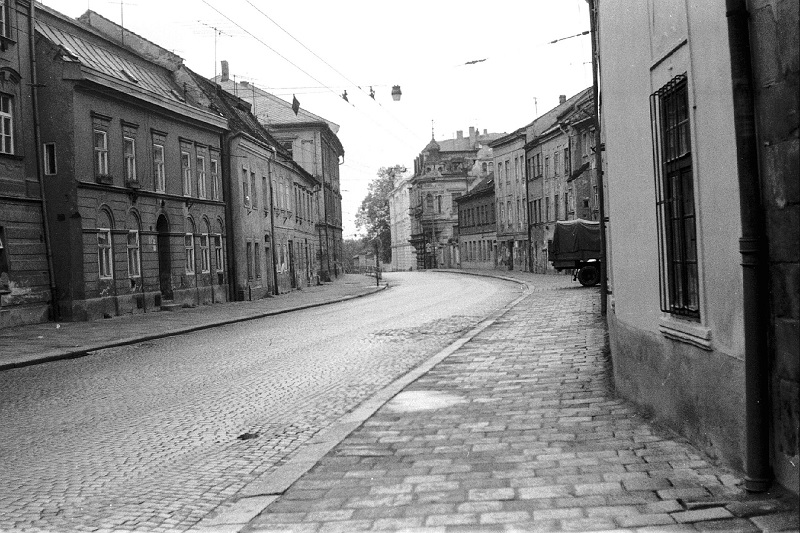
[217,32]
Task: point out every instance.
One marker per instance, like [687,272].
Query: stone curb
[253,499]
[53,355]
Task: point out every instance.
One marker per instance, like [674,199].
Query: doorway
[164,258]
[292,273]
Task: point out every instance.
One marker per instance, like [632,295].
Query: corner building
[136,208]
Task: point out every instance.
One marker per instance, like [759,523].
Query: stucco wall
[696,390]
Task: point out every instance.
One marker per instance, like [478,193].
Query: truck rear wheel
[589,276]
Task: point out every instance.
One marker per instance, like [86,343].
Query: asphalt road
[154,436]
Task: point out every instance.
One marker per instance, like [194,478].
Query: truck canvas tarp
[575,240]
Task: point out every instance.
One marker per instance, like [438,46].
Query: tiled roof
[105,60]
[549,119]
[271,110]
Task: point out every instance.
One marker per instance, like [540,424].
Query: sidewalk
[518,429]
[39,343]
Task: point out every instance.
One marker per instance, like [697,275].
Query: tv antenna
[217,33]
[122,4]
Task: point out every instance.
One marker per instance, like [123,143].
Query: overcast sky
[420,45]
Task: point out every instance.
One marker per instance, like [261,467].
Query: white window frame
[214,168]
[134,255]
[4,26]
[129,155]
[105,256]
[188,246]
[101,152]
[186,169]
[158,167]
[50,163]
[219,257]
[205,254]
[6,124]
[200,161]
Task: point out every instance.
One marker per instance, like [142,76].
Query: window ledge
[685,331]
[105,179]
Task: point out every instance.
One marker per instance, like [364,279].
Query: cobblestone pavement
[519,430]
[23,345]
[157,435]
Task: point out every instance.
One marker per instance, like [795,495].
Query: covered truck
[576,246]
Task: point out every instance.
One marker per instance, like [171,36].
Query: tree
[373,215]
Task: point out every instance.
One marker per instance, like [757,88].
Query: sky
[316,49]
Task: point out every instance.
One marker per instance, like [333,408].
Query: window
[249,260]
[555,206]
[129,154]
[546,167]
[188,245]
[507,172]
[257,260]
[547,209]
[201,176]
[509,213]
[6,123]
[50,159]
[245,188]
[5,30]
[101,152]
[205,254]
[439,204]
[215,189]
[158,168]
[186,169]
[253,193]
[679,285]
[538,163]
[516,168]
[134,256]
[218,257]
[596,204]
[265,192]
[104,259]
[567,163]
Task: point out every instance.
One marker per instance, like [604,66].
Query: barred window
[677,246]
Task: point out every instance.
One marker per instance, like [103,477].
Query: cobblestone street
[154,436]
[519,430]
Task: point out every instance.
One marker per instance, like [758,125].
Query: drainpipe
[38,154]
[231,233]
[598,160]
[756,362]
[272,227]
[528,213]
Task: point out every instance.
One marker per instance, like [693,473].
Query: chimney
[460,134]
[562,99]
[484,131]
[473,135]
[225,73]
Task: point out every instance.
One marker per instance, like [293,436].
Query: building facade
[551,150]
[136,211]
[25,276]
[403,257]
[512,205]
[312,142]
[477,228]
[442,173]
[703,205]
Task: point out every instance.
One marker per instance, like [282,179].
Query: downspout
[756,362]
[37,151]
[528,213]
[231,233]
[272,228]
[598,160]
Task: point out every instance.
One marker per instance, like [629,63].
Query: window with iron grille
[675,208]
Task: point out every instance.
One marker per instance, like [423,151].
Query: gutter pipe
[758,475]
[38,153]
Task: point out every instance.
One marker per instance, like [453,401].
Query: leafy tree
[373,215]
